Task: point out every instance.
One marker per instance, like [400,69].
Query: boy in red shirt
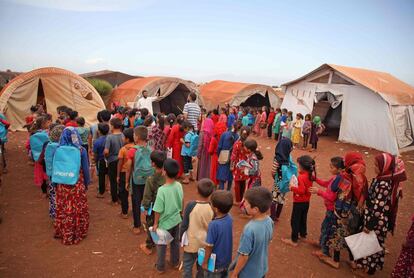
[301,198]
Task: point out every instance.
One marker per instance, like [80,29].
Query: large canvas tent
[370,108]
[218,93]
[53,87]
[173,93]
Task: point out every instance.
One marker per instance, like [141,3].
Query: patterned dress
[238,154]
[72,216]
[405,263]
[376,214]
[52,200]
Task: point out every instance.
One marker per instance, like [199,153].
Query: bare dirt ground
[28,249]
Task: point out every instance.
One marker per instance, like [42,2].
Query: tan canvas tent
[370,108]
[52,86]
[218,93]
[173,93]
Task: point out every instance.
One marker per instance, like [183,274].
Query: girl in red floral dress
[72,216]
[238,154]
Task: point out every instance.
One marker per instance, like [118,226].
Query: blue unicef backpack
[142,165]
[126,122]
[37,142]
[49,153]
[194,144]
[287,172]
[66,165]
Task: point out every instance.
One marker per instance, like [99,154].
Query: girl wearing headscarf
[282,157]
[72,216]
[174,142]
[405,263]
[238,154]
[54,136]
[226,142]
[316,130]
[204,158]
[378,207]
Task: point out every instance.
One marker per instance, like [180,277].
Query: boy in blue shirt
[98,150]
[220,234]
[186,151]
[250,117]
[252,255]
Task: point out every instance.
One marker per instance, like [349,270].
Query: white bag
[169,152]
[161,237]
[363,244]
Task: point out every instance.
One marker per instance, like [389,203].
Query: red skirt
[72,216]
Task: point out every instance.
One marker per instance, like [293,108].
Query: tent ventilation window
[336,79]
[321,79]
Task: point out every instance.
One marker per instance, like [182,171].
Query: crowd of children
[146,156]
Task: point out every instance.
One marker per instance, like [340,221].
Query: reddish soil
[28,249]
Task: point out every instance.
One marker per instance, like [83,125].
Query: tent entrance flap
[257,100]
[329,109]
[174,102]
[41,95]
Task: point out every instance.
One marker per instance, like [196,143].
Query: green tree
[104,88]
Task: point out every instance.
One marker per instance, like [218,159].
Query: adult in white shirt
[146,102]
[192,111]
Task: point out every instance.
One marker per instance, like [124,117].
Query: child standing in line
[150,193]
[316,129]
[306,130]
[98,150]
[212,150]
[253,251]
[220,234]
[288,125]
[244,118]
[186,151]
[113,144]
[276,123]
[167,212]
[123,168]
[301,198]
[83,132]
[297,127]
[197,216]
[139,169]
[329,197]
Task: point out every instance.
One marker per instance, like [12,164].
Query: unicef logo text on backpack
[66,165]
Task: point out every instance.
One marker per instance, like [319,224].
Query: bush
[103,87]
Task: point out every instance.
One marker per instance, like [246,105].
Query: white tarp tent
[377,109]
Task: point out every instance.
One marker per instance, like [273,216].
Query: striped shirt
[193,112]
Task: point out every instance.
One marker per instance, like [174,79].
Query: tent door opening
[174,102]
[330,110]
[41,95]
[257,100]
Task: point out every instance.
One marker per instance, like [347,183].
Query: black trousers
[149,222]
[187,164]
[315,145]
[44,187]
[112,173]
[102,171]
[123,193]
[269,130]
[298,221]
[136,198]
[305,140]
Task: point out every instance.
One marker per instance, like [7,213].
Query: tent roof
[219,92]
[390,88]
[129,90]
[114,77]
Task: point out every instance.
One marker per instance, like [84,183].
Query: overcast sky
[267,42]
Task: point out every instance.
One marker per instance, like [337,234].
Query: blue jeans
[188,262]
[326,232]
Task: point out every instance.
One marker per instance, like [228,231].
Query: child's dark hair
[222,200]
[158,158]
[284,110]
[308,164]
[103,128]
[161,120]
[251,145]
[73,115]
[205,187]
[129,134]
[338,162]
[144,113]
[171,168]
[33,108]
[116,123]
[259,197]
[80,121]
[171,119]
[106,115]
[308,117]
[141,132]
[148,120]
